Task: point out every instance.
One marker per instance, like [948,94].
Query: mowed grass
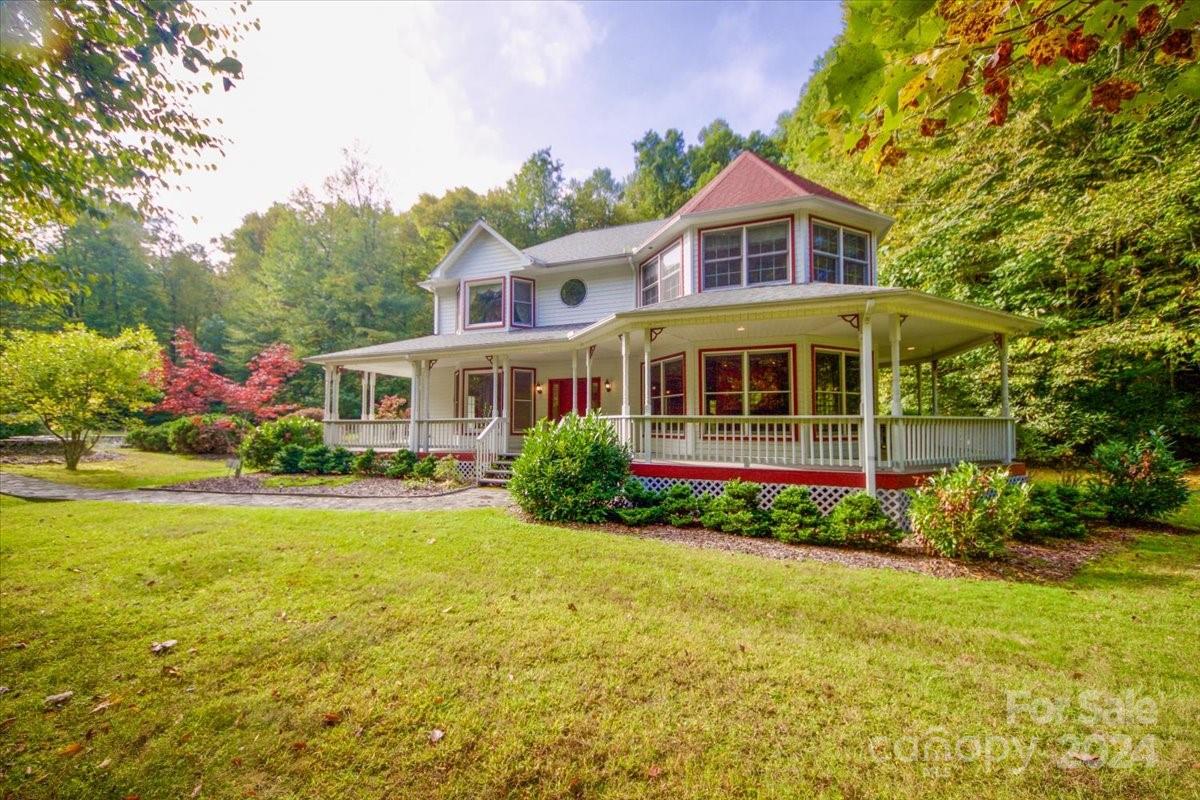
[557,663]
[134,469]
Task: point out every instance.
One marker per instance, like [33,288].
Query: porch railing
[488,445]
[364,433]
[815,441]
[457,434]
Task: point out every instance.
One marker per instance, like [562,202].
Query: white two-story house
[740,337]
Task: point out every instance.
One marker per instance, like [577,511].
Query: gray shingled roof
[764,294]
[600,243]
[456,341]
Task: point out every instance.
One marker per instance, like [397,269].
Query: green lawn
[134,469]
[558,663]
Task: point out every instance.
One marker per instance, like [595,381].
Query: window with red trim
[667,392]
[747,382]
[523,385]
[485,302]
[836,382]
[746,256]
[840,255]
[522,303]
[662,276]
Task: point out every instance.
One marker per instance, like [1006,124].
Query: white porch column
[624,374]
[896,441]
[363,386]
[414,408]
[371,395]
[920,408]
[506,387]
[933,381]
[1010,444]
[495,386]
[426,388]
[328,386]
[334,409]
[646,409]
[866,352]
[587,381]
[574,382]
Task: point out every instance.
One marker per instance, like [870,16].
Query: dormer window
[840,254]
[746,255]
[662,276]
[522,303]
[485,303]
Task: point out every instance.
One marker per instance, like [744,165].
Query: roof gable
[460,249]
[595,244]
[752,180]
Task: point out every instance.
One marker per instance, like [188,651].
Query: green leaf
[228,64]
[961,108]
[853,77]
[196,34]
[1070,100]
[1187,84]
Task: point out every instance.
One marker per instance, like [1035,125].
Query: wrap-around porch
[783,389]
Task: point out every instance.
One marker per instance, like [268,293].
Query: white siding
[484,258]
[447,310]
[802,257]
[609,290]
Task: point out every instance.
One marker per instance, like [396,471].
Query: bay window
[747,382]
[522,303]
[836,383]
[747,255]
[840,255]
[662,276]
[485,302]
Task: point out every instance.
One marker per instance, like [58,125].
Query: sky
[459,94]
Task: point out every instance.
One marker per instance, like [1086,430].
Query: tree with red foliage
[192,385]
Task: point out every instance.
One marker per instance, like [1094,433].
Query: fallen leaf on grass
[1089,759]
[71,749]
[571,607]
[331,718]
[436,735]
[104,764]
[196,791]
[169,671]
[654,771]
[106,704]
[6,722]
[236,761]
[298,746]
[158,648]
[56,700]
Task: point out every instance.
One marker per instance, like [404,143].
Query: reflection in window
[667,395]
[485,303]
[746,256]
[662,276]
[837,382]
[522,302]
[750,382]
[840,255]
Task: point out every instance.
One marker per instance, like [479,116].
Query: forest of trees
[1085,219]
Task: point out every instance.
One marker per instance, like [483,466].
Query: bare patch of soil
[363,487]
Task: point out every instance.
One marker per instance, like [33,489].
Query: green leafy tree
[662,177]
[536,194]
[96,105]
[76,382]
[596,201]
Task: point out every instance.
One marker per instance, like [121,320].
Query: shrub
[858,520]
[315,414]
[208,434]
[392,406]
[287,460]
[259,448]
[340,461]
[570,471]
[637,516]
[968,511]
[315,459]
[796,518]
[151,438]
[401,464]
[426,468]
[737,510]
[682,507]
[366,463]
[446,471]
[1054,510]
[1138,481]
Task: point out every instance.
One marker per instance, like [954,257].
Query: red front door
[561,401]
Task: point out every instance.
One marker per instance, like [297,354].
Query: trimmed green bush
[1138,481]
[682,507]
[1055,511]
[287,460]
[151,438]
[206,434]
[446,471]
[737,510]
[426,468]
[570,471]
[858,520]
[341,461]
[401,464]
[366,463]
[315,460]
[968,511]
[259,448]
[796,518]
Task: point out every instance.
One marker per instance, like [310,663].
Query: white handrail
[488,446]
[373,433]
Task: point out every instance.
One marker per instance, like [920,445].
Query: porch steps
[499,471]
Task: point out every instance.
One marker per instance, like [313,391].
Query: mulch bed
[363,487]
[1044,562]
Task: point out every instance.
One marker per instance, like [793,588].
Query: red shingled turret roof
[751,180]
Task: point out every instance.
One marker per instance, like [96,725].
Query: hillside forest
[1069,209]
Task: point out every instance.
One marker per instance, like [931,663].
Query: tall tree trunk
[74,448]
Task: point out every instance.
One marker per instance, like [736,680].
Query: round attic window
[573,292]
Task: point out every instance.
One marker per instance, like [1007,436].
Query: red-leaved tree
[192,386]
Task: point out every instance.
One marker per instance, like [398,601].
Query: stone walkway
[38,489]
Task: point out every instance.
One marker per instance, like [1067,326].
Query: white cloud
[542,42]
